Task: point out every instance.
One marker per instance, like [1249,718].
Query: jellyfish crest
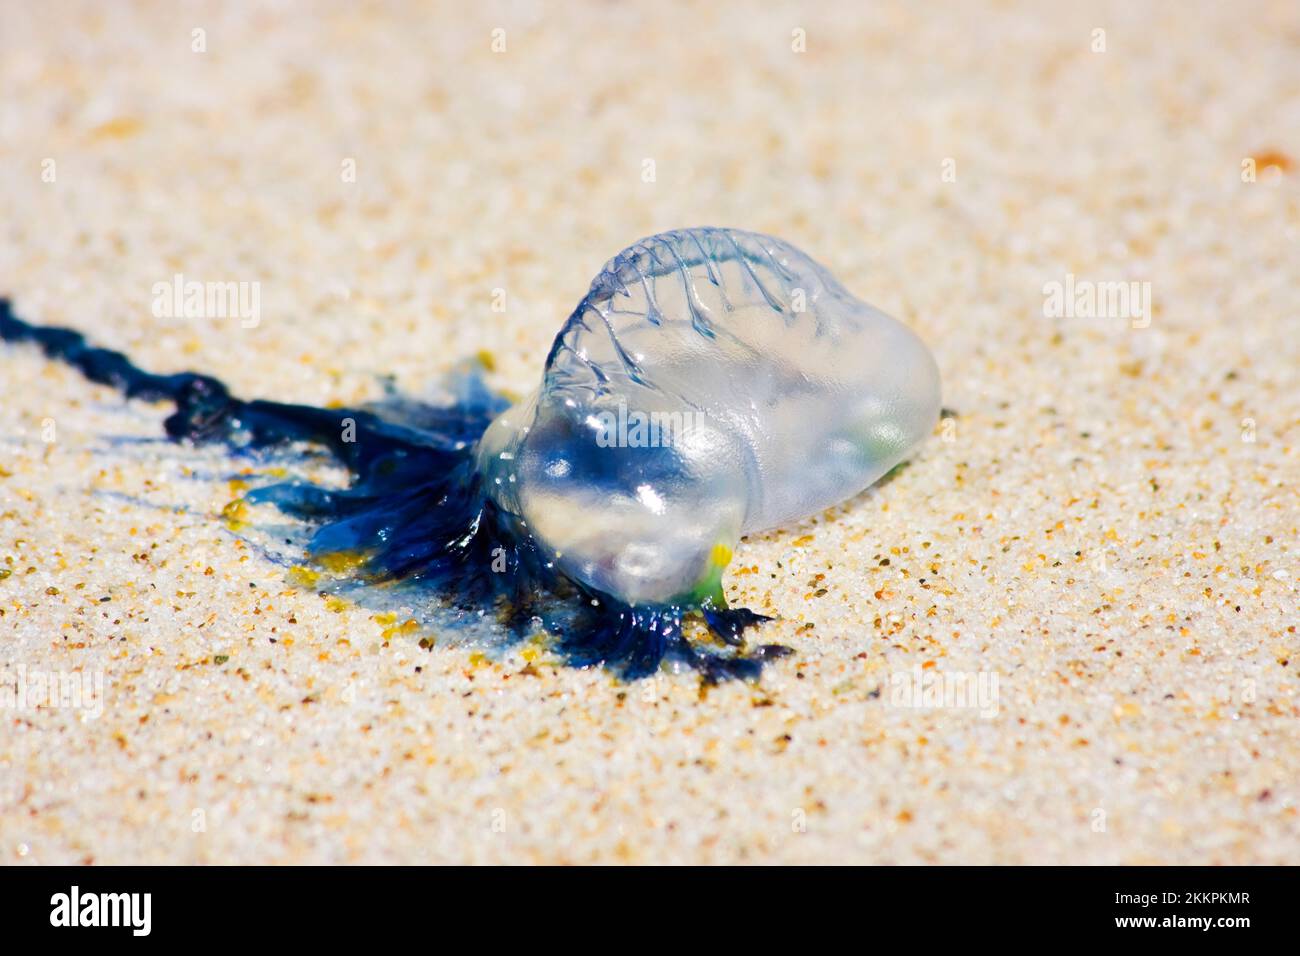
[704,294]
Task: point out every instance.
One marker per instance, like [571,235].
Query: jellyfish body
[711,383]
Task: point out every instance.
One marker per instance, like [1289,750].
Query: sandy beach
[1065,633]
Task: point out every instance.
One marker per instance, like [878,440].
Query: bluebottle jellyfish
[712,383]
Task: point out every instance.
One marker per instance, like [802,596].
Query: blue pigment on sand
[711,384]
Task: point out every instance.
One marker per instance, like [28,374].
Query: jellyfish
[712,383]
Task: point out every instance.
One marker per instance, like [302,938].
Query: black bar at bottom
[1225,906]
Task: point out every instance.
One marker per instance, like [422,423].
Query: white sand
[1109,527]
